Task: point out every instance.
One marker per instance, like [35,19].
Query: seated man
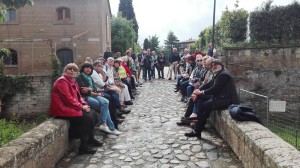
[223,92]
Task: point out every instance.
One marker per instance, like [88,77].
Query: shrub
[8,132]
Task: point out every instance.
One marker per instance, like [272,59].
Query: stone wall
[255,145]
[32,103]
[269,71]
[43,146]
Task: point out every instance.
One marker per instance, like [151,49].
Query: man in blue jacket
[173,62]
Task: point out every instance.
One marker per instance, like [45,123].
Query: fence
[282,118]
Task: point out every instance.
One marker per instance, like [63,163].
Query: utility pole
[213,30]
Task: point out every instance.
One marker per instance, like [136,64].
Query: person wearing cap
[223,91]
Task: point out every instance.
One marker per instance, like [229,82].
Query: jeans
[199,100]
[147,71]
[183,87]
[189,90]
[100,104]
[140,69]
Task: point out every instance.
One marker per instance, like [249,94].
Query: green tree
[171,40]
[233,25]
[122,34]
[154,43]
[146,44]
[12,4]
[126,8]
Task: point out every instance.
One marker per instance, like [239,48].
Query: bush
[8,132]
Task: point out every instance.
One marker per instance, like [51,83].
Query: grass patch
[10,130]
[289,134]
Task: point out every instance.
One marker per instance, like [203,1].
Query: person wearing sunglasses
[67,103]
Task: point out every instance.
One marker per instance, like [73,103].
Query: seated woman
[67,103]
[95,100]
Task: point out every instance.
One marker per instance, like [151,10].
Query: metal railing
[285,123]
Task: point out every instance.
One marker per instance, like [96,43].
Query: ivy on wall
[55,67]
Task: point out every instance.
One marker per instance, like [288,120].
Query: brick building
[77,29]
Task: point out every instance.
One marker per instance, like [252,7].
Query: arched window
[65,57]
[63,14]
[11,15]
[12,59]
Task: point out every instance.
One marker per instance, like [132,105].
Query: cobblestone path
[152,139]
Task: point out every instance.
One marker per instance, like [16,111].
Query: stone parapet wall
[255,145]
[42,147]
[32,103]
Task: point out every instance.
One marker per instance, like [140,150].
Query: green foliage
[233,25]
[171,40]
[11,85]
[122,34]
[279,24]
[127,11]
[146,44]
[277,72]
[8,131]
[12,4]
[153,40]
[55,67]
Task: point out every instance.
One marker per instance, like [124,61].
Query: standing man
[141,67]
[147,66]
[211,51]
[161,65]
[173,62]
[153,64]
[107,53]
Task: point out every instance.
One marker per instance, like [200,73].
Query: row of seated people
[209,87]
[96,93]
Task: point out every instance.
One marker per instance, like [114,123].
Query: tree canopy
[126,8]
[171,40]
[122,34]
[12,4]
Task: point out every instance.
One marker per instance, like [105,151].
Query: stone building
[74,29]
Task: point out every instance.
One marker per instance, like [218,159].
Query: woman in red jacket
[67,103]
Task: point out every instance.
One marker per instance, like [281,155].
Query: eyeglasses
[199,60]
[72,69]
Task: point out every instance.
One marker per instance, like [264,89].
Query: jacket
[66,100]
[223,89]
[84,83]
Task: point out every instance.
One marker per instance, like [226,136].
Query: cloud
[186,18]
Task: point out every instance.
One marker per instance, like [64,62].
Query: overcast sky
[186,18]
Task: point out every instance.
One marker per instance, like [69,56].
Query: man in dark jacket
[147,66]
[173,62]
[223,92]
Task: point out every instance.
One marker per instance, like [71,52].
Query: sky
[186,18]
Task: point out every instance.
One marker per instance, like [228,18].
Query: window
[63,14]
[11,15]
[12,59]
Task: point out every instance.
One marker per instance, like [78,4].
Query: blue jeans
[147,71]
[189,90]
[199,100]
[100,104]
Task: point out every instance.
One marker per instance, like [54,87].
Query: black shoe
[119,115]
[95,143]
[87,151]
[193,134]
[191,118]
[125,111]
[182,122]
[163,78]
[177,90]
[132,97]
[128,103]
[169,79]
[120,121]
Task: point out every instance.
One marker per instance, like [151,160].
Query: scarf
[88,79]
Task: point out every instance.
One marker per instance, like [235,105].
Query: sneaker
[116,132]
[169,79]
[104,128]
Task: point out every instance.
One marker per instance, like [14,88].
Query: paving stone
[185,147]
[212,155]
[175,145]
[180,166]
[154,151]
[196,148]
[140,162]
[188,152]
[93,160]
[166,152]
[126,167]
[122,151]
[192,165]
[174,161]
[165,166]
[208,146]
[163,161]
[93,166]
[122,157]
[183,157]
[203,164]
[107,166]
[169,157]
[178,151]
[158,155]
[128,159]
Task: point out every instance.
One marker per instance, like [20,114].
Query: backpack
[243,112]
